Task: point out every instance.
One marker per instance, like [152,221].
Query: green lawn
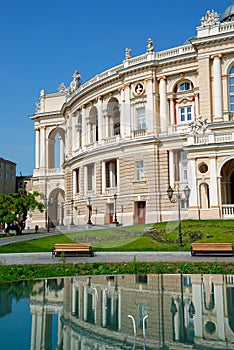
[136,238]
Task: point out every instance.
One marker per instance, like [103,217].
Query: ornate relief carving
[139,89]
[199,126]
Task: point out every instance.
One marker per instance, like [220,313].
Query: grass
[133,238]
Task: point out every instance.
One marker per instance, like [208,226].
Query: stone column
[118,173]
[163,104]
[172,111]
[85,181]
[74,139]
[192,183]
[103,177]
[219,297]
[122,112]
[196,105]
[69,136]
[213,183]
[150,105]
[37,148]
[197,301]
[100,118]
[61,150]
[127,111]
[171,168]
[83,126]
[218,99]
[42,148]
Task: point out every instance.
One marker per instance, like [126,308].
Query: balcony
[139,133]
[205,139]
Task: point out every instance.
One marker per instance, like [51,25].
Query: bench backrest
[63,245]
[212,246]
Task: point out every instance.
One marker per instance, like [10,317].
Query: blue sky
[42,42]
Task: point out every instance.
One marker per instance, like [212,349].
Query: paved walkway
[46,258]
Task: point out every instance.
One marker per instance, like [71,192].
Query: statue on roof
[150,46]
[210,18]
[128,53]
[76,82]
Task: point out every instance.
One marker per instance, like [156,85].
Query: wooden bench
[208,248]
[72,249]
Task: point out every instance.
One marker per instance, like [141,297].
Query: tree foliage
[14,207]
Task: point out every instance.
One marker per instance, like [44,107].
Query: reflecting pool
[119,312]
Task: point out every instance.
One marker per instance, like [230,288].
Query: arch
[56,145]
[181,81]
[227,181]
[79,130]
[55,208]
[113,112]
[228,66]
[93,124]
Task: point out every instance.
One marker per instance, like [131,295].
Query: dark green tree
[15,207]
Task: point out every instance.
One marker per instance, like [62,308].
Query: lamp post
[115,215]
[89,208]
[47,203]
[176,197]
[72,222]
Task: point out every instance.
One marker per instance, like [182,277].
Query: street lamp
[47,203]
[72,222]
[115,215]
[89,208]
[176,197]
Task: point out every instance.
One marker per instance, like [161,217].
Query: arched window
[185,108]
[204,195]
[114,116]
[185,86]
[231,89]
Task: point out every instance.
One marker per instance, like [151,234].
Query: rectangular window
[140,116]
[232,103]
[142,312]
[77,175]
[140,170]
[185,114]
[90,173]
[111,174]
[184,166]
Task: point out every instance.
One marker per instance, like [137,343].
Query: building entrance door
[141,212]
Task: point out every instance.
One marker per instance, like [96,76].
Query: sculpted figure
[76,82]
[150,46]
[128,53]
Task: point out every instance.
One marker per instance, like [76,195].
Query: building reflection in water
[130,312]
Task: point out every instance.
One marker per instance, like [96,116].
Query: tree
[15,207]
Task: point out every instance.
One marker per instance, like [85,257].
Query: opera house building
[108,149]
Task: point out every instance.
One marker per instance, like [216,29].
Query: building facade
[111,147]
[133,312]
[7,176]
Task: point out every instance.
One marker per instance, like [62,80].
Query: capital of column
[149,80]
[163,77]
[84,106]
[125,86]
[216,56]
